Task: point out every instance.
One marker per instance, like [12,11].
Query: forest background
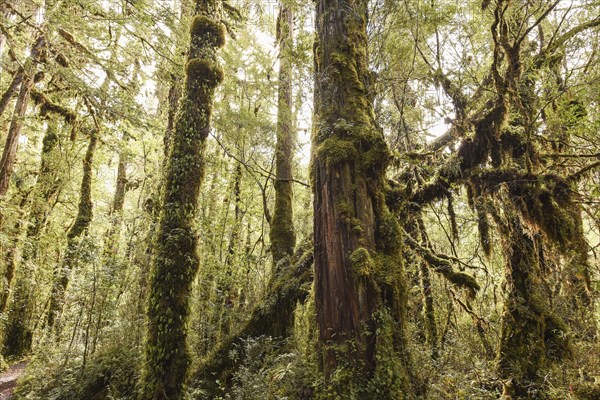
[467,130]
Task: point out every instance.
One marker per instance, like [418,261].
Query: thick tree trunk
[175,261]
[282,235]
[359,283]
[77,230]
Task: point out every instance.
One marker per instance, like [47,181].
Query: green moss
[204,72]
[336,151]
[361,262]
[388,235]
[209,30]
[347,216]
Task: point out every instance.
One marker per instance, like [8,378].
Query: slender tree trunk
[360,290]
[225,285]
[11,90]
[426,288]
[283,237]
[11,256]
[175,261]
[4,14]
[9,154]
[77,230]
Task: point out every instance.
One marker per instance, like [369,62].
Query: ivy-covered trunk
[283,237]
[175,261]
[359,283]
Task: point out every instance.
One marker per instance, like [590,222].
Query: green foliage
[112,373]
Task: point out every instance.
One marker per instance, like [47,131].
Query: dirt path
[8,380]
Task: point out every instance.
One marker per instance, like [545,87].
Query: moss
[347,216]
[336,151]
[213,32]
[204,72]
[361,262]
[463,280]
[483,225]
[389,239]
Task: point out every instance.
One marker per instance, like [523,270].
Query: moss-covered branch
[48,106]
[443,266]
[272,317]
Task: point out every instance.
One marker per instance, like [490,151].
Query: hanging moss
[211,31]
[483,227]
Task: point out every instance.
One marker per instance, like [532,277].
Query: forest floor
[8,379]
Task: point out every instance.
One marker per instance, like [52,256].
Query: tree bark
[360,290]
[175,261]
[11,90]
[282,235]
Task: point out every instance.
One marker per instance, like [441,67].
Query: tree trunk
[77,230]
[359,283]
[11,90]
[9,154]
[531,334]
[175,261]
[282,235]
[19,332]
[11,256]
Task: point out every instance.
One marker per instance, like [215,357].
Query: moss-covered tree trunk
[359,283]
[82,221]
[531,334]
[11,256]
[19,330]
[282,235]
[175,261]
